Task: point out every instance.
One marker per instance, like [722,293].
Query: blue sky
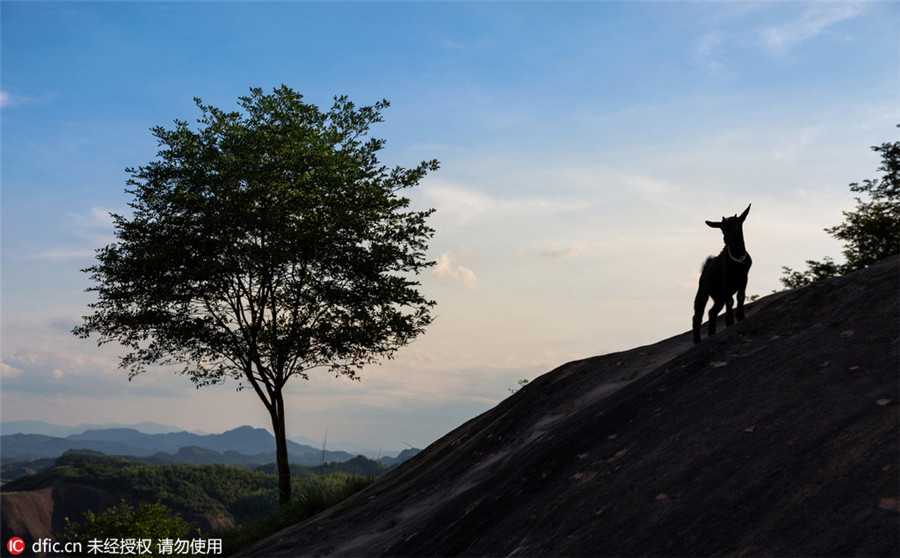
[582,146]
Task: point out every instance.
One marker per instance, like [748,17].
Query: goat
[723,275]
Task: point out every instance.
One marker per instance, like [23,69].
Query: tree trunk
[281,452]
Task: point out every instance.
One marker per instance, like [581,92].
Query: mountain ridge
[775,437]
[245,440]
[8,428]
[61,430]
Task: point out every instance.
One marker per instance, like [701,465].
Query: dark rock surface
[779,436]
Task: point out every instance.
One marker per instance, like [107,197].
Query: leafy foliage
[243,495]
[312,497]
[145,521]
[521,383]
[228,492]
[871,232]
[359,465]
[816,270]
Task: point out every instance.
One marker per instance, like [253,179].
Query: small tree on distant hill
[871,233]
[263,245]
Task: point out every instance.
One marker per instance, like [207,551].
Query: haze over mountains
[149,427]
[61,430]
[241,446]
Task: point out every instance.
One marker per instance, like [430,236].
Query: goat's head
[732,230]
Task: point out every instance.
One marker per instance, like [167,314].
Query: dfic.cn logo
[15,545]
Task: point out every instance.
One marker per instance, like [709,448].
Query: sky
[582,147]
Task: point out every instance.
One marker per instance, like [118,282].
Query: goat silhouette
[724,275]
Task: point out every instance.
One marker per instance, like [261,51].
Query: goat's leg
[713,313]
[699,307]
[740,302]
[729,312]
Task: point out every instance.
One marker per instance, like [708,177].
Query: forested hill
[777,436]
[34,507]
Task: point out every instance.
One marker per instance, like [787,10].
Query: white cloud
[708,43]
[59,254]
[446,267]
[447,43]
[40,355]
[814,21]
[600,181]
[96,218]
[460,203]
[707,51]
[797,143]
[94,227]
[464,205]
[557,250]
[8,372]
[8,99]
[562,251]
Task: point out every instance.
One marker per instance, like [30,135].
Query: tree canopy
[870,233]
[124,529]
[263,244]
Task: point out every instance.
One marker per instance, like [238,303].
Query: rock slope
[778,436]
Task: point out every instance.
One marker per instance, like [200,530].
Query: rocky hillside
[778,436]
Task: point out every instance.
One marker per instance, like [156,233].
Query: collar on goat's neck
[730,255]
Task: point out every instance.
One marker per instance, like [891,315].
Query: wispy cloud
[60,254]
[467,204]
[562,251]
[448,43]
[591,178]
[707,50]
[557,250]
[96,218]
[8,372]
[14,99]
[94,228]
[797,143]
[63,368]
[446,266]
[814,21]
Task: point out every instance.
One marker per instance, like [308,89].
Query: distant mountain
[61,431]
[20,447]
[170,441]
[369,450]
[243,445]
[203,456]
[403,456]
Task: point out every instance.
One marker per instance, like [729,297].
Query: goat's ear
[744,214]
[714,225]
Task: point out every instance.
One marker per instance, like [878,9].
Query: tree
[871,233]
[263,245]
[153,522]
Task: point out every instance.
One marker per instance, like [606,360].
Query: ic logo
[15,545]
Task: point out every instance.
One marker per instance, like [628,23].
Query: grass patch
[311,496]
